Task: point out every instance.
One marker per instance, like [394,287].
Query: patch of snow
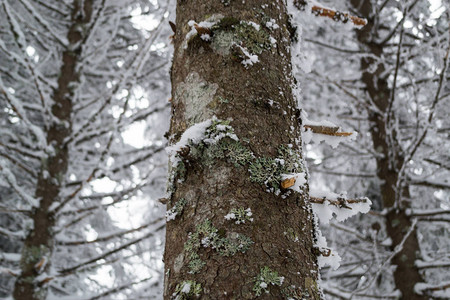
[272,24]
[208,23]
[333,260]
[326,210]
[205,37]
[186,288]
[171,215]
[256,26]
[194,134]
[251,58]
[230,216]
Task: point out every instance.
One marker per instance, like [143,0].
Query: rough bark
[209,79]
[39,243]
[390,162]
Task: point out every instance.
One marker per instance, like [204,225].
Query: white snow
[333,141]
[251,58]
[308,136]
[272,24]
[194,134]
[208,23]
[326,210]
[256,26]
[186,288]
[441,292]
[205,37]
[230,216]
[11,180]
[171,215]
[15,257]
[333,260]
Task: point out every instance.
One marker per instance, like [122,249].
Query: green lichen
[221,142]
[312,288]
[395,223]
[268,171]
[219,127]
[265,278]
[211,148]
[34,254]
[191,247]
[187,289]
[237,153]
[212,153]
[292,162]
[208,236]
[176,172]
[223,100]
[291,235]
[231,36]
[176,210]
[226,2]
[28,279]
[240,215]
[226,23]
[296,293]
[254,40]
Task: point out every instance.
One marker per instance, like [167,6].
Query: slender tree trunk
[210,252]
[389,163]
[39,243]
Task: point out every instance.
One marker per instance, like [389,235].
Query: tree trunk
[390,162]
[232,232]
[32,283]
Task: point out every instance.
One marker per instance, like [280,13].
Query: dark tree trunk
[39,242]
[207,255]
[395,198]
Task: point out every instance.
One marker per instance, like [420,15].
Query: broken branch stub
[327,130]
[287,183]
[330,13]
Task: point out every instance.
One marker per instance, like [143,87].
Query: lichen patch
[196,93]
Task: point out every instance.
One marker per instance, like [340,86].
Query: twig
[329,13]
[339,202]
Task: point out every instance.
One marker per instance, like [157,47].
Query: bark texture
[208,256]
[32,283]
[395,197]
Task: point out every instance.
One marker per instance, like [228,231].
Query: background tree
[396,101]
[77,80]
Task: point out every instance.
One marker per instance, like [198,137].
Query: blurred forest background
[84,107]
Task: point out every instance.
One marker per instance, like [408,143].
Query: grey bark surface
[209,79]
[39,242]
[406,274]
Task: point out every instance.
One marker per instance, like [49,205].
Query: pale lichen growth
[186,290]
[291,235]
[312,289]
[220,142]
[269,171]
[240,215]
[243,40]
[34,254]
[208,236]
[196,94]
[177,171]
[266,278]
[176,210]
